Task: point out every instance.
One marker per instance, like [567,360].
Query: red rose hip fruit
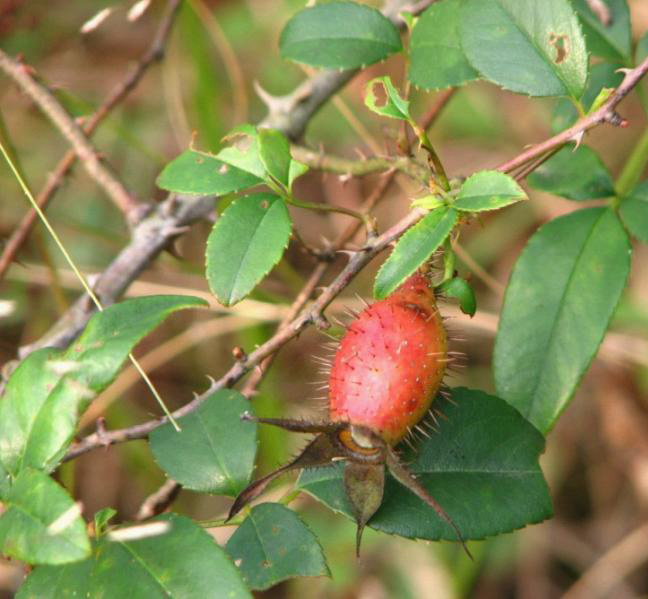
[390,364]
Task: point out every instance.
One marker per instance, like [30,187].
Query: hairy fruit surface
[390,364]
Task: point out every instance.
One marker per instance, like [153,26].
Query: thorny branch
[154,53]
[314,315]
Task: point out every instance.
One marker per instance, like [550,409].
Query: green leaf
[611,41]
[394,106]
[273,544]
[341,35]
[527,46]
[181,562]
[634,211]
[274,152]
[42,524]
[48,391]
[245,243]
[460,289]
[574,174]
[214,452]
[437,59]
[562,294]
[413,249]
[602,76]
[201,173]
[488,190]
[243,152]
[296,170]
[481,467]
[101,519]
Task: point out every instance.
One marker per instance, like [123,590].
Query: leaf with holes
[575,174]
[488,190]
[42,524]
[559,301]
[611,40]
[272,545]
[341,35]
[634,211]
[481,467]
[413,249]
[245,243]
[200,173]
[531,47]
[214,452]
[437,59]
[170,556]
[394,106]
[48,391]
[243,152]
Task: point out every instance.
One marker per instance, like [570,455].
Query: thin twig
[154,53]
[85,151]
[159,501]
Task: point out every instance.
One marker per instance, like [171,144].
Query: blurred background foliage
[597,457]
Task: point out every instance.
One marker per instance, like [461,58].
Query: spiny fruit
[390,363]
[386,373]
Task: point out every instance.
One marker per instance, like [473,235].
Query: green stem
[424,140]
[634,166]
[366,220]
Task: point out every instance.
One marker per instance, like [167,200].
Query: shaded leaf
[437,59]
[201,173]
[101,519]
[394,106]
[274,152]
[245,243]
[611,41]
[559,301]
[470,468]
[47,392]
[634,211]
[413,249]
[530,47]
[488,190]
[183,562]
[576,174]
[273,544]
[42,524]
[214,452]
[461,290]
[343,35]
[642,48]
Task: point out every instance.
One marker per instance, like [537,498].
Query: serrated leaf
[200,173]
[274,152]
[413,249]
[42,524]
[526,46]
[461,290]
[214,452]
[602,75]
[612,40]
[559,301]
[437,59]
[488,190]
[393,107]
[243,152]
[471,469]
[272,545]
[342,35]
[48,391]
[245,243]
[574,174]
[634,211]
[296,170]
[182,562]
